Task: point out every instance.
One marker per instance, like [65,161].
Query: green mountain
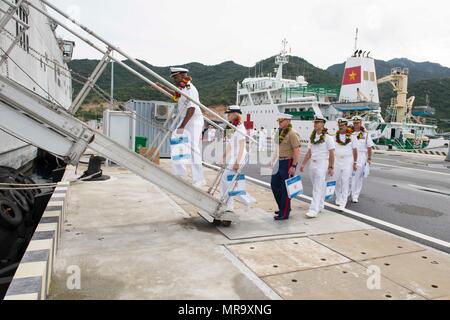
[217,84]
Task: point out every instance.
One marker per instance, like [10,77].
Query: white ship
[33,56]
[262,98]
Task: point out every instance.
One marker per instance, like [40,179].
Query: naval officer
[346,162]
[286,165]
[235,156]
[365,150]
[321,152]
[192,123]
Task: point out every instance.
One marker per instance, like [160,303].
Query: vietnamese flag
[352,76]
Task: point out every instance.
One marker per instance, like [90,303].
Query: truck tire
[27,194]
[10,215]
[20,199]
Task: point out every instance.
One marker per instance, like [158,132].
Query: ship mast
[282,59]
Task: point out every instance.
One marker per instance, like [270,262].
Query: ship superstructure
[33,56]
[262,98]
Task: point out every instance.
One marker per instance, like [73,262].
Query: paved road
[408,190]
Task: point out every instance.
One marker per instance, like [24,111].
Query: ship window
[24,40]
[366,76]
[372,76]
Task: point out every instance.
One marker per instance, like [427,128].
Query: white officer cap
[284,116]
[342,120]
[319,118]
[357,118]
[233,109]
[177,70]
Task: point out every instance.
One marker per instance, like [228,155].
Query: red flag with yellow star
[352,76]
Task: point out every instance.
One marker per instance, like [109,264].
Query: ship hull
[15,153]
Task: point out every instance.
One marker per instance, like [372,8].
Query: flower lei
[321,139]
[282,134]
[182,85]
[348,137]
[236,122]
[361,133]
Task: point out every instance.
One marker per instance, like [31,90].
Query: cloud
[210,31]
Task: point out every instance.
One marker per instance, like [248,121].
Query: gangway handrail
[44,124]
[111,57]
[130,58]
[140,65]
[109,54]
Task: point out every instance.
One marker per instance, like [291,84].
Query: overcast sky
[172,32]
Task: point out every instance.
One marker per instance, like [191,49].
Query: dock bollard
[448,153]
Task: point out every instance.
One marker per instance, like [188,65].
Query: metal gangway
[51,127]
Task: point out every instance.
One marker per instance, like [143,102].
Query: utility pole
[112,84]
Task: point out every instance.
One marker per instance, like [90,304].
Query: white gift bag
[240,187]
[294,187]
[330,191]
[180,149]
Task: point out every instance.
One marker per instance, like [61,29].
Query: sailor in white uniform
[235,155]
[191,123]
[321,152]
[346,162]
[365,151]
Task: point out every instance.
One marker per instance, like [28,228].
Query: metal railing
[108,55]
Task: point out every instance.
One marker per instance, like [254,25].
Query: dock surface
[131,240]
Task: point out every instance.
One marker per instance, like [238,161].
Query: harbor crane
[402,105]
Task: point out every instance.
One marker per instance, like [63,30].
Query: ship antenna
[284,50]
[356,39]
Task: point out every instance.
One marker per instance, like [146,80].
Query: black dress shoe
[279,218]
[277,213]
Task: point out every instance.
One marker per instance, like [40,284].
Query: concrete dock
[131,240]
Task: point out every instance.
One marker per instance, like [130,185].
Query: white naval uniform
[320,155]
[358,178]
[344,169]
[194,130]
[234,144]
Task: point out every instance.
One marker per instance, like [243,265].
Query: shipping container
[150,117]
